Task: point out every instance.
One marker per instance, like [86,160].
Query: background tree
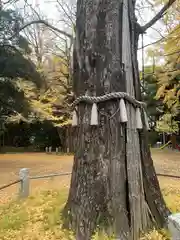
[15,64]
[51,53]
[155,108]
[165,53]
[169,86]
[149,91]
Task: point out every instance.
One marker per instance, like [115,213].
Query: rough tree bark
[113,183]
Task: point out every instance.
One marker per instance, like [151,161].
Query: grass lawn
[38,217]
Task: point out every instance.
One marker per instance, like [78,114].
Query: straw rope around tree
[109,96]
[122,96]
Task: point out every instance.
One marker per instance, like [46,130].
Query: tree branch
[158,15]
[45,23]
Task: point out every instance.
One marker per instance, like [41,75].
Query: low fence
[24,180]
[57,150]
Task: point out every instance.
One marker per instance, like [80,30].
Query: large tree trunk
[113,183]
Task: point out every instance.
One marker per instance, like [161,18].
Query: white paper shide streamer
[146,120]
[139,124]
[74,118]
[123,111]
[94,115]
[123,116]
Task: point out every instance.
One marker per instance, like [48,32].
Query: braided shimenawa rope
[109,96]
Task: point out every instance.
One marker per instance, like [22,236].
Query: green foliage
[53,103]
[31,136]
[150,86]
[169,83]
[13,46]
[167,124]
[20,99]
[14,64]
[168,76]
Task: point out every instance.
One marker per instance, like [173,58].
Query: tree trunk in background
[69,136]
[62,137]
[173,140]
[113,183]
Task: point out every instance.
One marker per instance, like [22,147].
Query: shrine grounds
[38,217]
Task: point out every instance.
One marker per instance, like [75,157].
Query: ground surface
[40,163]
[37,218]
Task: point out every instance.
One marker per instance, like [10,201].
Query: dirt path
[10,164]
[166,161]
